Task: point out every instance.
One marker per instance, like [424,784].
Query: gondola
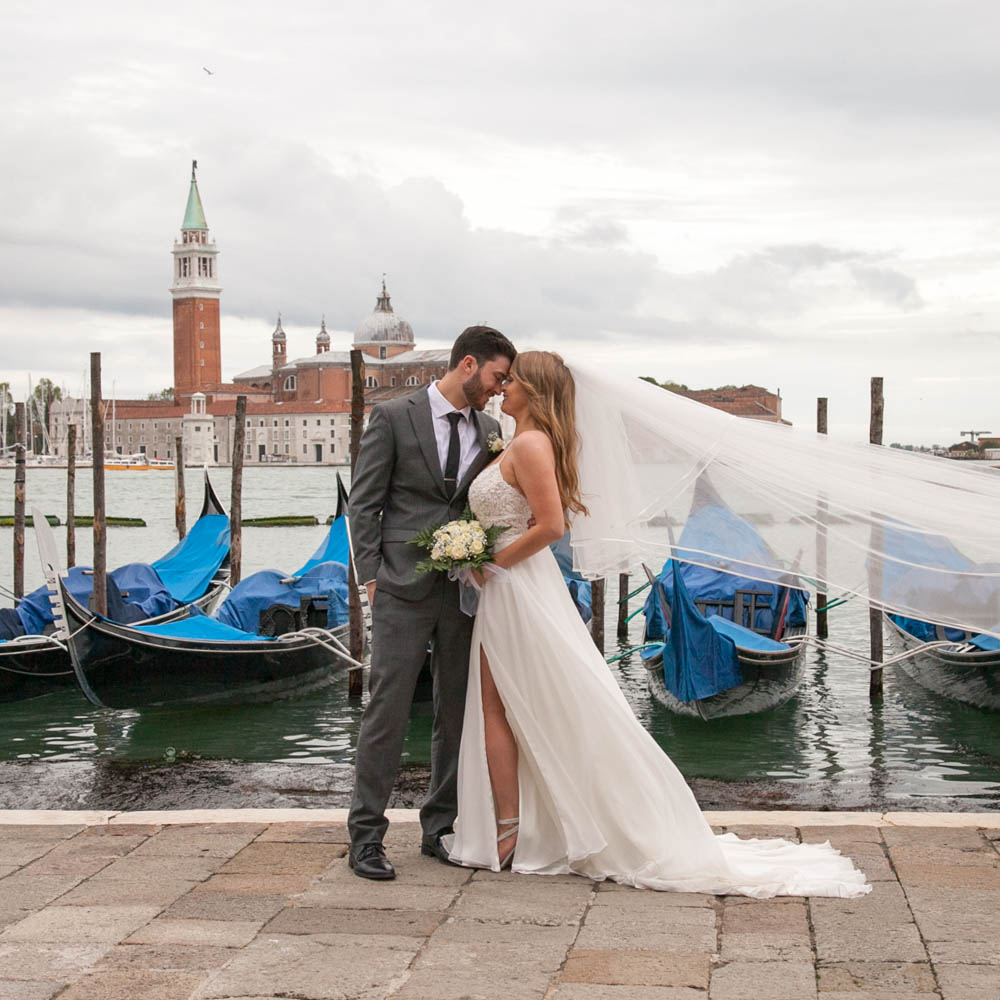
[202,659]
[727,642]
[969,670]
[34,659]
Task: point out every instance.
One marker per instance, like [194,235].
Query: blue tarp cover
[744,638]
[579,588]
[335,548]
[201,627]
[697,661]
[243,606]
[187,569]
[986,642]
[716,527]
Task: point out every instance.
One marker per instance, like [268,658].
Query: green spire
[194,214]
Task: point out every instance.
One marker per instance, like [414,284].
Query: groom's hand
[370,587]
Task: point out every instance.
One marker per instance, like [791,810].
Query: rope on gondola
[322,637]
[823,644]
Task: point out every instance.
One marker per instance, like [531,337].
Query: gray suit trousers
[401,631]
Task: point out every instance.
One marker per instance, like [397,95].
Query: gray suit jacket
[398,490]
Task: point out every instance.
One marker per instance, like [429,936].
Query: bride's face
[515,399]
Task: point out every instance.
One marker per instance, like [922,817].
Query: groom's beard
[476,394]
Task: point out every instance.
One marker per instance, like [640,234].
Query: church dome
[383,326]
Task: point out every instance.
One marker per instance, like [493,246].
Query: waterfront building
[750,401]
[297,411]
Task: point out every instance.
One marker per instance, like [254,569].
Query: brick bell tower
[196,291]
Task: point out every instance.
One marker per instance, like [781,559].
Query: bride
[556,775]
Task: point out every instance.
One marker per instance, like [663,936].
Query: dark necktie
[454,454]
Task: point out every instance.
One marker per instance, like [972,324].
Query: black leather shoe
[433,848]
[369,861]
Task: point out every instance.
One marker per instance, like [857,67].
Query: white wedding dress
[598,797]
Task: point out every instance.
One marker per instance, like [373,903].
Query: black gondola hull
[119,667]
[769,680]
[29,670]
[972,677]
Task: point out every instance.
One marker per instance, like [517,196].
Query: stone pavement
[260,904]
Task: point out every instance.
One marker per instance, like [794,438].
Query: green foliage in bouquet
[460,544]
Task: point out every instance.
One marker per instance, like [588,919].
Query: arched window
[413,380]
[370,382]
[290,383]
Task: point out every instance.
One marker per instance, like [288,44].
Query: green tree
[167,393]
[44,395]
[670,385]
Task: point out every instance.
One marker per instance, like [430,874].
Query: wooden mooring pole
[100,598]
[180,501]
[19,497]
[597,590]
[71,496]
[236,501]
[623,605]
[875,574]
[355,681]
[822,630]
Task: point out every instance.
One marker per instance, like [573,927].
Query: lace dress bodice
[494,501]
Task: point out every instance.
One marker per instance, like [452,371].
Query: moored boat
[726,642]
[34,659]
[293,642]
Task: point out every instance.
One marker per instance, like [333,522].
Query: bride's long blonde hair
[551,393]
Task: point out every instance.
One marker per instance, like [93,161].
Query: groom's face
[486,380]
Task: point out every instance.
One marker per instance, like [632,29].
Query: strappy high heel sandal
[506,859]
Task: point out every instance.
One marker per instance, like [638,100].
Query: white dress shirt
[467,436]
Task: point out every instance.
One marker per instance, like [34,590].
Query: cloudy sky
[793,194]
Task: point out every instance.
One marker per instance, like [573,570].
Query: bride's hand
[479,577]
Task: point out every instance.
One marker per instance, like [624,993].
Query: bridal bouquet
[457,548]
[460,544]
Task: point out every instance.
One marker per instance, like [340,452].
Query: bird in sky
[208,71]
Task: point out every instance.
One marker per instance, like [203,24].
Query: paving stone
[223,933]
[936,876]
[524,900]
[985,858]
[482,984]
[308,967]
[307,833]
[58,862]
[23,852]
[587,991]
[497,935]
[6,870]
[363,893]
[38,831]
[766,917]
[750,831]
[12,915]
[772,946]
[192,842]
[763,981]
[637,968]
[80,924]
[154,869]
[886,902]
[166,957]
[226,906]
[255,885]
[659,906]
[26,891]
[104,892]
[48,960]
[868,940]
[133,984]
[817,834]
[966,952]
[283,858]
[956,914]
[34,990]
[962,838]
[112,830]
[606,928]
[887,977]
[968,982]
[90,846]
[607,891]
[331,920]
[485,875]
[412,868]
[877,995]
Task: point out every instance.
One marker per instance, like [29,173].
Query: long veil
[914,534]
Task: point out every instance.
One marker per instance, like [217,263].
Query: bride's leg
[501,752]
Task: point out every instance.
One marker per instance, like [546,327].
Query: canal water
[829,747]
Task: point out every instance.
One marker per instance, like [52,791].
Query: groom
[418,456]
